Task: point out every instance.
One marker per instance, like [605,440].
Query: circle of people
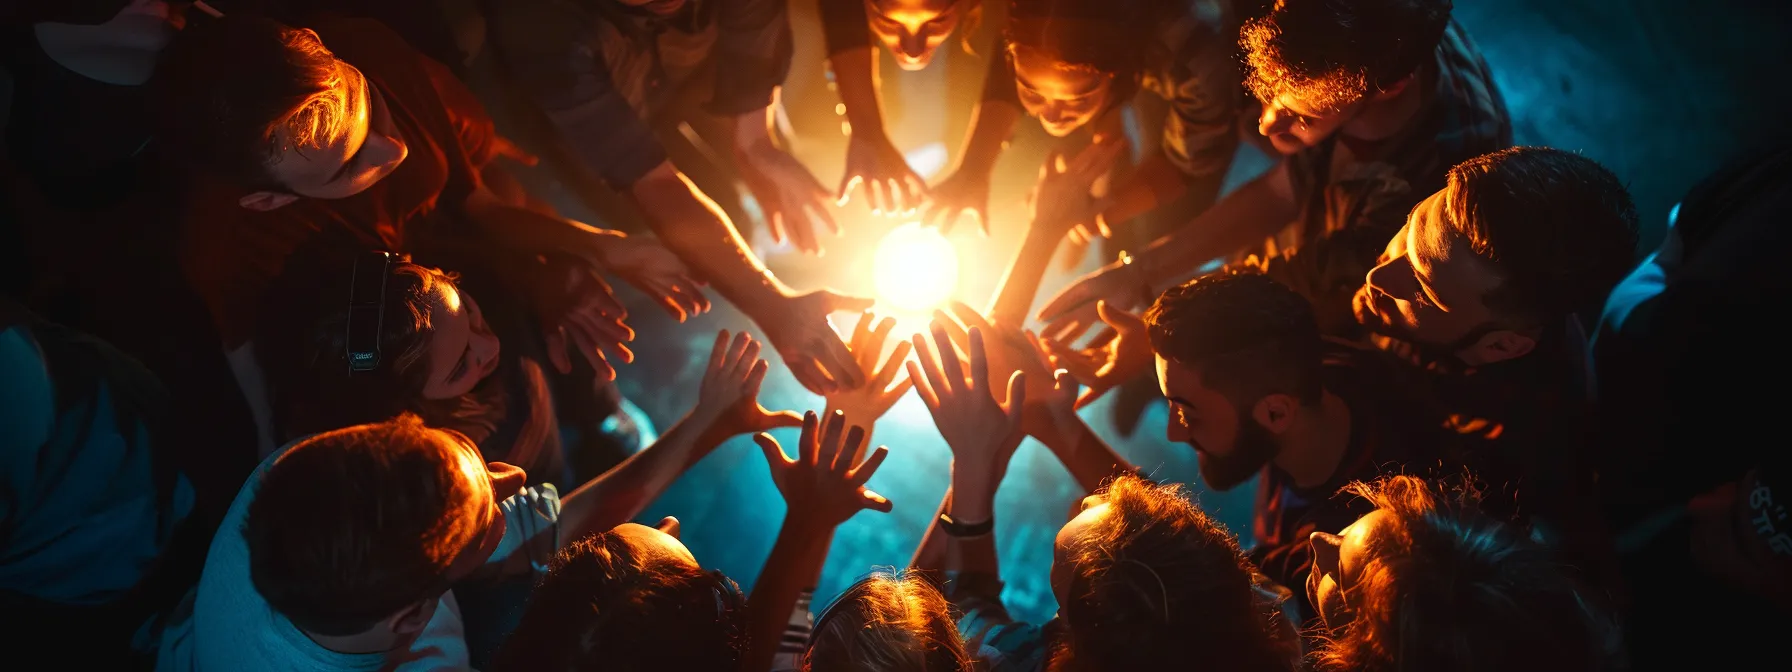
[295,226]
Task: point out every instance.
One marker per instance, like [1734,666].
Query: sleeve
[753,51]
[795,641]
[531,531]
[555,65]
[989,631]
[472,124]
[844,25]
[1201,131]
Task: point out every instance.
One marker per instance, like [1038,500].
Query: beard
[1255,447]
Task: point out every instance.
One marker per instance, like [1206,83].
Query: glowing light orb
[915,268]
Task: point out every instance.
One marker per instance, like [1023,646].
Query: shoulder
[1475,120]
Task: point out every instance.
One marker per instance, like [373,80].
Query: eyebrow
[364,99]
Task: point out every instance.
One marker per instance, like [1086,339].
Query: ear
[1275,412]
[263,201]
[1396,88]
[1499,346]
[412,620]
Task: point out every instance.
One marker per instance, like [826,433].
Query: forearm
[855,76]
[621,493]
[1020,284]
[1155,183]
[794,565]
[1088,458]
[1256,211]
[532,233]
[695,229]
[992,123]
[972,501]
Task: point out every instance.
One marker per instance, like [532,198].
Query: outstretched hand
[799,330]
[795,204]
[1120,355]
[981,429]
[1061,198]
[1073,310]
[866,403]
[643,262]
[728,401]
[577,308]
[963,193]
[821,486]
[877,168]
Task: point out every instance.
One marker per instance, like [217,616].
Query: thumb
[782,419]
[1017,396]
[774,453]
[1120,320]
[847,182]
[842,302]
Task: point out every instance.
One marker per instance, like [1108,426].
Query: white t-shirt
[224,625]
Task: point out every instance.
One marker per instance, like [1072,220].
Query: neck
[1383,119]
[372,640]
[1312,449]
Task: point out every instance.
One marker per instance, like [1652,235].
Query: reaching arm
[1256,211]
[1089,459]
[1154,183]
[621,493]
[694,228]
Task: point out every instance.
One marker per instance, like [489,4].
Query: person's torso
[78,138]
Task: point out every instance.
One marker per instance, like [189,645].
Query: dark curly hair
[1246,334]
[1330,53]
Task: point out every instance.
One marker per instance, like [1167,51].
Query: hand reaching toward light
[866,403]
[794,202]
[875,166]
[799,330]
[982,430]
[963,193]
[728,399]
[656,271]
[1062,198]
[1109,361]
[1073,310]
[576,306]
[822,487]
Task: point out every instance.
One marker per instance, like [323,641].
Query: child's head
[887,622]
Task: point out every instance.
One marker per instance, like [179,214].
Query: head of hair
[1247,335]
[1560,228]
[888,622]
[1157,583]
[301,344]
[231,95]
[602,606]
[1330,53]
[1097,36]
[348,527]
[1450,588]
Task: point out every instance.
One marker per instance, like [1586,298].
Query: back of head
[230,94]
[1157,584]
[888,622]
[1560,229]
[1449,588]
[1246,334]
[350,526]
[604,607]
[1329,53]
[301,345]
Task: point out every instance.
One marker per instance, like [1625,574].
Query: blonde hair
[889,621]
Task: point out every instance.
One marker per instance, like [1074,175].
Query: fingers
[951,369]
[843,302]
[848,182]
[876,502]
[1068,300]
[749,359]
[875,191]
[849,451]
[887,372]
[718,353]
[829,450]
[1120,320]
[971,317]
[736,349]
[774,453]
[783,419]
[875,344]
[755,378]
[979,361]
[811,374]
[889,397]
[810,440]
[592,350]
[840,365]
[921,387]
[1017,397]
[958,336]
[860,332]
[859,475]
[776,221]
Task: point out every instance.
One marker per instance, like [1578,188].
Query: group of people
[297,356]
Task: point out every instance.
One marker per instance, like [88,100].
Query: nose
[1325,550]
[914,44]
[386,149]
[1392,277]
[669,525]
[507,479]
[1273,121]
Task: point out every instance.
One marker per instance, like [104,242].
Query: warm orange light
[916,268]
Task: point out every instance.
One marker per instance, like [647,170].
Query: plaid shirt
[991,635]
[1350,206]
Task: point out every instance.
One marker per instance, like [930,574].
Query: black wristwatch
[955,528]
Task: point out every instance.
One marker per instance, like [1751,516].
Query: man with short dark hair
[1369,102]
[1258,393]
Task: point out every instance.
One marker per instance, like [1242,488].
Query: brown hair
[888,622]
[350,526]
[1248,336]
[604,607]
[1560,228]
[1157,583]
[230,95]
[1330,53]
[301,346]
[1449,588]
[1110,37]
